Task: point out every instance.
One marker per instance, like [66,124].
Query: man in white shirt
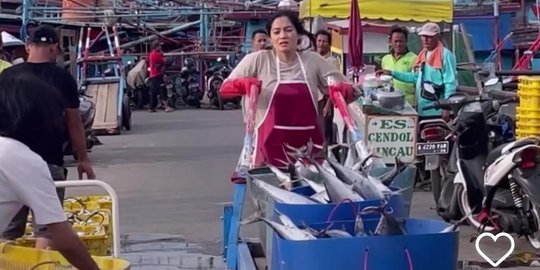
[28,108]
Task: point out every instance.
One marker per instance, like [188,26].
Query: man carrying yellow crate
[28,105]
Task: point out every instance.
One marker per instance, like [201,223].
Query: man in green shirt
[435,65]
[400,59]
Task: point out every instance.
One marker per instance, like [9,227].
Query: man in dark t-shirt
[43,46]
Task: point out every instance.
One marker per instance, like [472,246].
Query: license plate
[432,148]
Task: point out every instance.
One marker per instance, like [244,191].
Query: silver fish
[337,189]
[321,197]
[359,229]
[314,185]
[283,178]
[363,185]
[284,231]
[329,168]
[282,195]
[338,234]
[352,157]
[388,177]
[388,224]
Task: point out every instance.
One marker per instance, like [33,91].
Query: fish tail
[399,191]
[255,217]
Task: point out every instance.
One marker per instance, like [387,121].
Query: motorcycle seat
[495,154]
[497,151]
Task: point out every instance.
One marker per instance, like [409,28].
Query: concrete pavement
[171,173]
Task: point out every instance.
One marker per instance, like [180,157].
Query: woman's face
[283,35]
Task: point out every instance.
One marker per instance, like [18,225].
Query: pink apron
[291,118]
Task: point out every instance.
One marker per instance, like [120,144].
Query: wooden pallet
[105,96]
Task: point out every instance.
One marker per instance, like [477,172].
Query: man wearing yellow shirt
[400,59]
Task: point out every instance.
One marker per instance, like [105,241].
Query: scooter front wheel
[466,210]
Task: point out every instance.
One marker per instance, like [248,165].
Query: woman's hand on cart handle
[238,87]
[346,90]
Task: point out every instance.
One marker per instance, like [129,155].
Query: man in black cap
[42,46]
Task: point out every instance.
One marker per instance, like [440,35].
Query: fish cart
[412,251]
[102,76]
[331,214]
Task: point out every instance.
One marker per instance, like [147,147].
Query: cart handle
[114,199]
[339,102]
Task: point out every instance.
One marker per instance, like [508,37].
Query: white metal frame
[114,199]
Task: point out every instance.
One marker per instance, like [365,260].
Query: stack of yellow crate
[16,257]
[528,111]
[91,218]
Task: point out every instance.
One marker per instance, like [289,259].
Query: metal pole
[496,37]
[154,36]
[25,15]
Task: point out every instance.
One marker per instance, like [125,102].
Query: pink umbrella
[356,46]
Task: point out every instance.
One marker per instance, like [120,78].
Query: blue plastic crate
[318,213]
[423,248]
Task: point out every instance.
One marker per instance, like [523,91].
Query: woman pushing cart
[290,82]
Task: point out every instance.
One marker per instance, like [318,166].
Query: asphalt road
[171,173]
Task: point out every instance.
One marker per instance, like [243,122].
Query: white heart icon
[495,237]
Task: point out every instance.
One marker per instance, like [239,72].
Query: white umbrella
[10,40]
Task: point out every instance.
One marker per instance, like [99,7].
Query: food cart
[390,133]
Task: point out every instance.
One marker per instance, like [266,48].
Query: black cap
[44,34]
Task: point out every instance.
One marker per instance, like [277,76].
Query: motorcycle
[432,152]
[190,90]
[172,92]
[215,78]
[87,109]
[496,189]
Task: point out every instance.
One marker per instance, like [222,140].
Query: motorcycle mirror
[429,88]
[491,82]
[507,80]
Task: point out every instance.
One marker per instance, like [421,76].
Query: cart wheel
[126,114]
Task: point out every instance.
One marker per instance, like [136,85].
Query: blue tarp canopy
[482,30]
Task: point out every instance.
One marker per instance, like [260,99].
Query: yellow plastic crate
[23,258]
[531,121]
[531,81]
[95,238]
[526,128]
[75,204]
[523,133]
[527,112]
[529,98]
